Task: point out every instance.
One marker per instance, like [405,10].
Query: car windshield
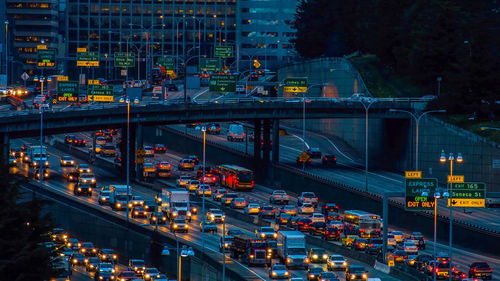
[279,267]
[67,158]
[308,195]
[180,204]
[319,251]
[216,212]
[316,270]
[128,274]
[481,265]
[105,266]
[108,147]
[296,251]
[357,270]
[267,229]
[237,129]
[253,205]
[337,258]
[328,275]
[180,220]
[138,263]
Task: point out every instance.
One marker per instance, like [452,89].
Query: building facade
[31,23]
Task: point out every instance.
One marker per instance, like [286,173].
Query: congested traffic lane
[194,234]
[348,172]
[462,258]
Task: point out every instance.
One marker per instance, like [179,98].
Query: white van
[235,133]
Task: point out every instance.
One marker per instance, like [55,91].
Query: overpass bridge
[265,114]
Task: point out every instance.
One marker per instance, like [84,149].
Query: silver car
[279,271]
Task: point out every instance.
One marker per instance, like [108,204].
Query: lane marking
[302,140]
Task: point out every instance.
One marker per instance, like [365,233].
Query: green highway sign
[223,83]
[210,64]
[87,59]
[414,187]
[468,194]
[67,91]
[223,52]
[46,58]
[122,59]
[166,62]
[295,85]
[100,92]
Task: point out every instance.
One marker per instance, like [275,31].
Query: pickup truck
[279,196]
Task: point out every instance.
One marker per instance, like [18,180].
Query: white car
[317,217]
[410,248]
[252,209]
[306,208]
[336,262]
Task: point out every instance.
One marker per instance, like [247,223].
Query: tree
[22,228]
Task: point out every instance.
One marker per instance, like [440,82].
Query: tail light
[335,158]
[437,270]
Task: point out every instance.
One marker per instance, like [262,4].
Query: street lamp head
[197,128]
[442,159]
[7,22]
[451,157]
[460,159]
[446,194]
[425,193]
[437,195]
[439,78]
[165,251]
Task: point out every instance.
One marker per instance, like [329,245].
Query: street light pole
[367,108]
[128,154]
[439,85]
[6,53]
[417,118]
[42,102]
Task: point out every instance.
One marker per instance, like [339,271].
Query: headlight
[286,273]
[79,189]
[306,260]
[136,212]
[100,277]
[325,256]
[275,235]
[315,256]
[344,263]
[273,273]
[114,257]
[175,214]
[186,226]
[262,235]
[103,198]
[353,276]
[118,205]
[75,260]
[90,189]
[154,218]
[288,260]
[364,276]
[189,214]
[175,225]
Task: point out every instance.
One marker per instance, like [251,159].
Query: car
[149,272]
[333,216]
[278,271]
[87,178]
[348,240]
[400,256]
[308,197]
[209,226]
[409,248]
[313,273]
[136,201]
[77,259]
[182,181]
[126,275]
[195,159]
[91,264]
[219,193]
[314,153]
[252,209]
[150,205]
[67,161]
[443,270]
[418,239]
[83,168]
[215,215]
[12,161]
[138,266]
[193,185]
[327,276]
[422,260]
[138,212]
[104,196]
[100,141]
[186,165]
[69,139]
[391,241]
[443,257]
[149,168]
[304,224]
[108,255]
[235,232]
[336,262]
[108,150]
[163,169]
[318,255]
[72,176]
[266,232]
[157,218]
[160,277]
[228,198]
[374,246]
[283,218]
[279,196]
[480,269]
[306,208]
[329,160]
[171,87]
[58,235]
[317,228]
[359,244]
[104,275]
[179,225]
[79,142]
[318,217]
[300,162]
[204,189]
[209,179]
[238,203]
[88,249]
[213,129]
[356,272]
[337,224]
[267,212]
[149,151]
[331,233]
[98,149]
[73,243]
[289,209]
[398,236]
[160,148]
[46,173]
[330,207]
[410,261]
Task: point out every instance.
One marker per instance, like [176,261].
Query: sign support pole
[385,218]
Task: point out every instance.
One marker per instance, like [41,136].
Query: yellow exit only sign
[455,179]
[413,174]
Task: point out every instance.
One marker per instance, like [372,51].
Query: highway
[261,195]
[105,177]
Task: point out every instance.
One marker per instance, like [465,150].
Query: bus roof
[236,168]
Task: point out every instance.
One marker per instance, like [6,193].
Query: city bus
[369,225]
[235,177]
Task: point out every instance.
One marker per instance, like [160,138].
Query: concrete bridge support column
[123,152]
[139,143]
[256,140]
[4,149]
[276,141]
[267,140]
